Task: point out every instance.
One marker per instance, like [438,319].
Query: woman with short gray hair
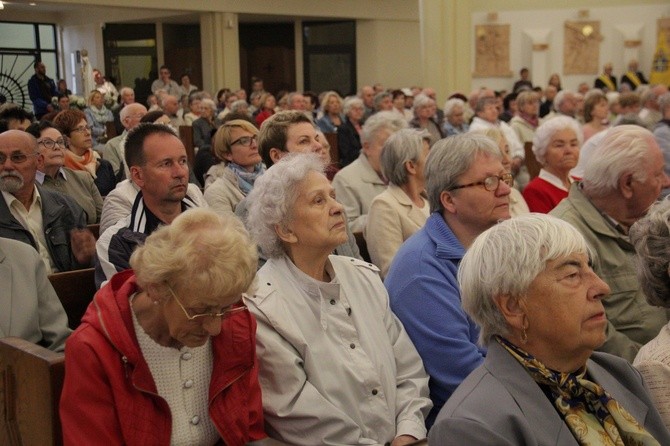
[424,117]
[454,117]
[204,126]
[527,282]
[349,133]
[336,365]
[402,209]
[651,237]
[556,146]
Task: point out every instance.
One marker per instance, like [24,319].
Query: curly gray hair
[273,196]
[651,237]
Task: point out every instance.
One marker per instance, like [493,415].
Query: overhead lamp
[2,6]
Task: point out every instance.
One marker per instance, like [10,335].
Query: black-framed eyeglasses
[51,144]
[244,141]
[224,313]
[490,183]
[16,157]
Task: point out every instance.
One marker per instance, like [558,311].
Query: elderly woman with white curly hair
[402,209]
[529,285]
[556,146]
[651,238]
[336,366]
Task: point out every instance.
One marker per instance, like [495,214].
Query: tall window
[329,50]
[20,46]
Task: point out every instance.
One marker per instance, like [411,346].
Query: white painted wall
[614,23]
[76,38]
[388,52]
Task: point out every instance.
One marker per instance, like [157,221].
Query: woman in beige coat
[402,209]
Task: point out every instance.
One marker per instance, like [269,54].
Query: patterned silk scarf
[593,416]
[245,179]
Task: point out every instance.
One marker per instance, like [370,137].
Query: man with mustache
[158,166]
[44,219]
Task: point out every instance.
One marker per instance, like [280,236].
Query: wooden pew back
[186,136]
[75,289]
[532,164]
[31,381]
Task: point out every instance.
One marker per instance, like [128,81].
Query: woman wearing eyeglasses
[52,174]
[80,154]
[556,146]
[227,183]
[165,353]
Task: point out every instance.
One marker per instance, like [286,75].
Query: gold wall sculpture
[492,51]
[581,47]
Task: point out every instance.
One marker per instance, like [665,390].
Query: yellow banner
[660,67]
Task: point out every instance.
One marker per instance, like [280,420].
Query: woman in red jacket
[166,352]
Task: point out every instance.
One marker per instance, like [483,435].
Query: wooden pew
[186,136]
[532,164]
[31,380]
[95,229]
[75,289]
[110,130]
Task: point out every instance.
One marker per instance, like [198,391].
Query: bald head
[12,138]
[131,114]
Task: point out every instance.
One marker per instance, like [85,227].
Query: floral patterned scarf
[593,416]
[245,179]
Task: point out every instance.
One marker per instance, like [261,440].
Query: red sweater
[109,396]
[542,196]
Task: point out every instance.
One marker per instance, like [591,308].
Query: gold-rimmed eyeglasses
[490,183]
[224,313]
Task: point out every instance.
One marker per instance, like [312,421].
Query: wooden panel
[95,229]
[75,289]
[186,136]
[110,130]
[31,380]
[532,164]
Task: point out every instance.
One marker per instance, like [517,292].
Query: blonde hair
[199,250]
[222,140]
[91,95]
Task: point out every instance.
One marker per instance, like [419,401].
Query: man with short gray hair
[622,179]
[468,191]
[170,105]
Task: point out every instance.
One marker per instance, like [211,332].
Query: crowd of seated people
[464,300]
